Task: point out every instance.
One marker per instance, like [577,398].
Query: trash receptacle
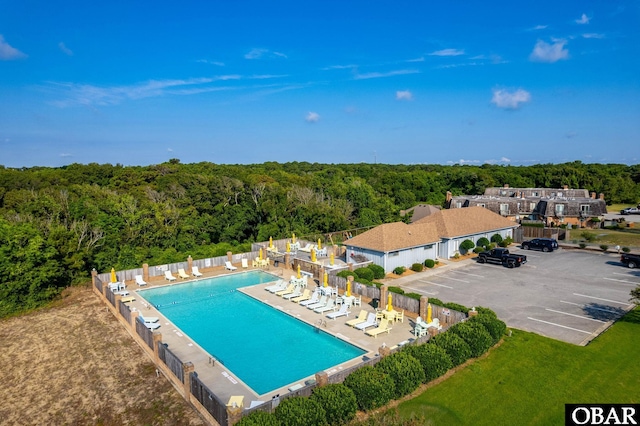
[276,262]
[375,303]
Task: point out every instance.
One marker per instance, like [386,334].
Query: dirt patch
[73,363]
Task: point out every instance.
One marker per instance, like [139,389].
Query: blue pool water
[264,347]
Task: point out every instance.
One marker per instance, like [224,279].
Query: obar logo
[601,414]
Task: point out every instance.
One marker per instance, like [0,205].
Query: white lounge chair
[140,281]
[307,248]
[229,266]
[182,274]
[279,285]
[168,276]
[151,325]
[362,317]
[328,307]
[306,294]
[296,293]
[314,299]
[196,272]
[290,288]
[148,319]
[370,322]
[344,310]
[382,328]
[245,263]
[319,303]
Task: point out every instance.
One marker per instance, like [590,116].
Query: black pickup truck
[630,260]
[502,255]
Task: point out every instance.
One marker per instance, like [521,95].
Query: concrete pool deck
[223,382]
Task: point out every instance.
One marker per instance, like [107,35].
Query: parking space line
[456,279]
[599,298]
[611,311]
[439,285]
[574,315]
[419,290]
[467,273]
[622,282]
[559,325]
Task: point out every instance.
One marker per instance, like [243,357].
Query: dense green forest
[56,224]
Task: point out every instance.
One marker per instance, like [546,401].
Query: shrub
[496,238]
[476,336]
[378,271]
[259,418]
[396,290]
[344,274]
[582,245]
[365,273]
[456,307]
[486,311]
[363,281]
[495,327]
[457,349]
[338,401]
[456,255]
[406,371]
[436,301]
[372,387]
[413,295]
[626,249]
[429,263]
[300,411]
[478,249]
[483,242]
[434,360]
[417,267]
[399,270]
[377,284]
[588,236]
[467,245]
[604,247]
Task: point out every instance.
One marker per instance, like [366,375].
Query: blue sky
[409,82]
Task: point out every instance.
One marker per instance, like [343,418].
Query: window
[585,208]
[428,246]
[394,253]
[504,209]
[532,206]
[559,209]
[535,194]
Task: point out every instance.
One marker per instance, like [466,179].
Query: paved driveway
[569,295]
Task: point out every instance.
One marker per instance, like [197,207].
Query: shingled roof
[395,236]
[452,223]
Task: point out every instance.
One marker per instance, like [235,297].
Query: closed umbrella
[326,279]
[313,255]
[293,238]
[270,242]
[348,288]
[260,254]
[429,313]
[113,276]
[331,259]
[288,247]
[389,307]
[319,244]
[299,276]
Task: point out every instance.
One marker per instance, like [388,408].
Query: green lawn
[529,378]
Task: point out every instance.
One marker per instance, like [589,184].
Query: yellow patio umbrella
[293,238]
[113,276]
[389,307]
[260,254]
[270,242]
[348,288]
[313,255]
[331,259]
[299,276]
[326,279]
[319,244]
[288,247]
[429,312]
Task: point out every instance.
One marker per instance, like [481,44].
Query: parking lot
[569,295]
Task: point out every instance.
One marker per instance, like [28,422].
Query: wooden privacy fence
[171,361]
[400,301]
[145,334]
[208,400]
[124,311]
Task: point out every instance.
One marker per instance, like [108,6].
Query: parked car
[630,210]
[544,244]
[502,255]
[630,260]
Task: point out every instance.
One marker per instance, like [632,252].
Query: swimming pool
[267,349]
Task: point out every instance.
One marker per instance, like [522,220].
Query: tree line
[56,224]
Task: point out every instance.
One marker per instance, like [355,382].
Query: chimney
[602,196]
[593,195]
[506,185]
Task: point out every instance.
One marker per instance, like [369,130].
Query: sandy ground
[73,363]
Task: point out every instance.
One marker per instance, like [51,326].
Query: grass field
[529,378]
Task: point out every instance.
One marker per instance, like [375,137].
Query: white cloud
[505,160]
[539,27]
[384,74]
[404,95]
[258,53]
[420,59]
[65,49]
[584,19]
[339,67]
[65,154]
[312,117]
[8,52]
[462,161]
[593,35]
[545,52]
[207,61]
[502,98]
[447,52]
